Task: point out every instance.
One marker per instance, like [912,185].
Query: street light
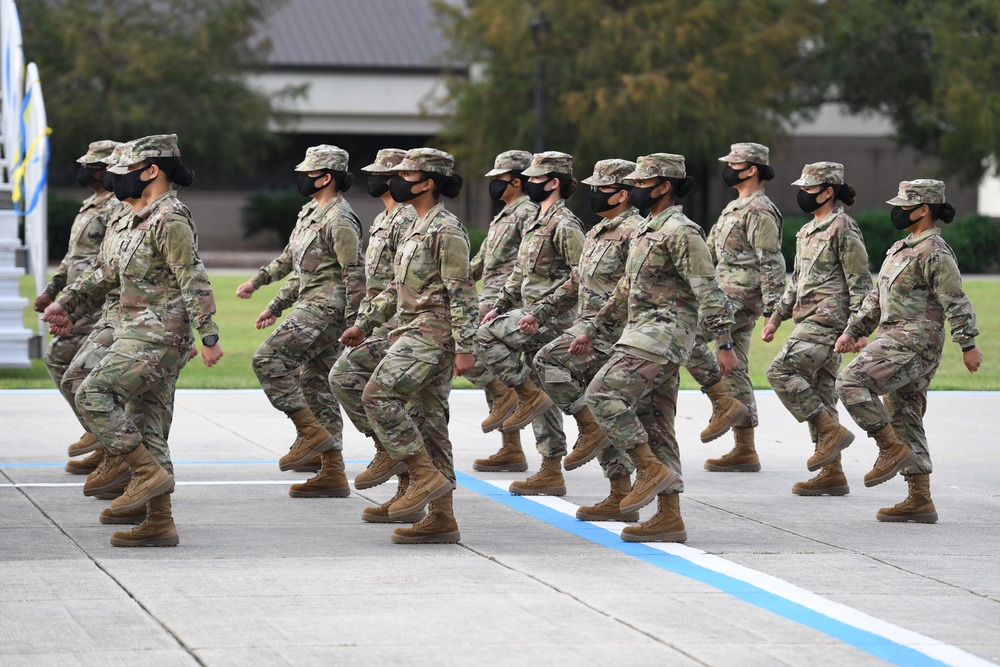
[540,29]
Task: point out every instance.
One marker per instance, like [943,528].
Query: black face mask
[107,180]
[599,201]
[901,217]
[642,198]
[134,186]
[86,176]
[401,189]
[118,186]
[536,191]
[307,184]
[731,176]
[497,188]
[378,185]
[808,202]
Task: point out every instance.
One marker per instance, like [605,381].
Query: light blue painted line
[868,642]
[60,464]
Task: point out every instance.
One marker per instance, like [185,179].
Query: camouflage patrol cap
[427,159]
[550,162]
[324,156]
[610,172]
[116,154]
[98,151]
[821,173]
[920,191]
[658,165]
[385,160]
[509,161]
[139,150]
[747,152]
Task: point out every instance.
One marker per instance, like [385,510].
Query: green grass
[240,339]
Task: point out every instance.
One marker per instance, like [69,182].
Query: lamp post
[540,29]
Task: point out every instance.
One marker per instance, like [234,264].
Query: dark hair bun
[847,194]
[567,185]
[765,171]
[945,213]
[453,185]
[182,175]
[682,186]
[343,179]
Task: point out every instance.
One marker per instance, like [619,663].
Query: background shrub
[272,212]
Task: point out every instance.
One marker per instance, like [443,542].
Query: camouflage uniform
[164,293]
[84,243]
[745,243]
[434,300]
[829,281]
[327,282]
[355,365]
[563,376]
[668,275]
[549,252]
[919,287]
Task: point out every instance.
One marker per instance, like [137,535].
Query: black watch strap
[727,346]
[210,340]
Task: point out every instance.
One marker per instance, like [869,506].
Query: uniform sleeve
[694,264]
[945,281]
[87,293]
[380,309]
[177,245]
[864,320]
[610,311]
[764,233]
[510,293]
[476,264]
[711,242]
[279,267]
[457,279]
[786,305]
[854,260]
[347,248]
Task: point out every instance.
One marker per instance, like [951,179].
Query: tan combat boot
[829,482]
[532,402]
[87,443]
[149,480]
[893,456]
[918,506]
[438,527]
[510,457]
[315,464]
[590,442]
[426,484]
[313,439]
[380,470]
[833,438]
[548,481]
[380,514]
[664,526]
[609,509]
[86,465]
[158,530]
[133,517]
[726,411]
[111,494]
[741,458]
[330,482]
[504,402]
[113,472]
[651,477]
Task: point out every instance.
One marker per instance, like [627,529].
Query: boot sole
[499,423]
[121,479]
[73,452]
[544,491]
[150,542]
[505,467]
[442,538]
[642,502]
[892,473]
[912,518]
[743,467]
[375,481]
[121,520]
[539,410]
[324,493]
[110,495]
[433,495]
[318,449]
[573,465]
[409,518]
[78,471]
[831,491]
[841,446]
[164,487]
[679,536]
[725,429]
[314,467]
[631,517]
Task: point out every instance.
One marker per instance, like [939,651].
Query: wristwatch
[210,340]
[727,346]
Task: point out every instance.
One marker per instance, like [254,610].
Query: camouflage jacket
[602,264]
[669,277]
[432,293]
[496,257]
[383,241]
[84,240]
[111,246]
[165,291]
[746,245]
[918,287]
[324,257]
[830,278]
[549,252]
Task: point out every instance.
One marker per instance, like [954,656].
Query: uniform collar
[148,210]
[544,218]
[614,223]
[818,225]
[910,240]
[741,203]
[656,222]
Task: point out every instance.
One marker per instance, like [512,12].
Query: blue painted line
[868,642]
[60,464]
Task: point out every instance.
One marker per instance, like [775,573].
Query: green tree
[122,69]
[625,78]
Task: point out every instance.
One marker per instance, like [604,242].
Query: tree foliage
[122,69]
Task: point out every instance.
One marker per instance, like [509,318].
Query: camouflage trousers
[127,399]
[738,381]
[480,375]
[804,377]
[414,371]
[702,364]
[506,351]
[564,377]
[305,342]
[890,368]
[61,350]
[635,402]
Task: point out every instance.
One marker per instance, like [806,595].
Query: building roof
[356,35]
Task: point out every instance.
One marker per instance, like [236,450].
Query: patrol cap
[550,162]
[427,159]
[115,157]
[324,156]
[139,150]
[610,172]
[821,173]
[98,151]
[920,191]
[385,160]
[747,152]
[510,161]
[658,165]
